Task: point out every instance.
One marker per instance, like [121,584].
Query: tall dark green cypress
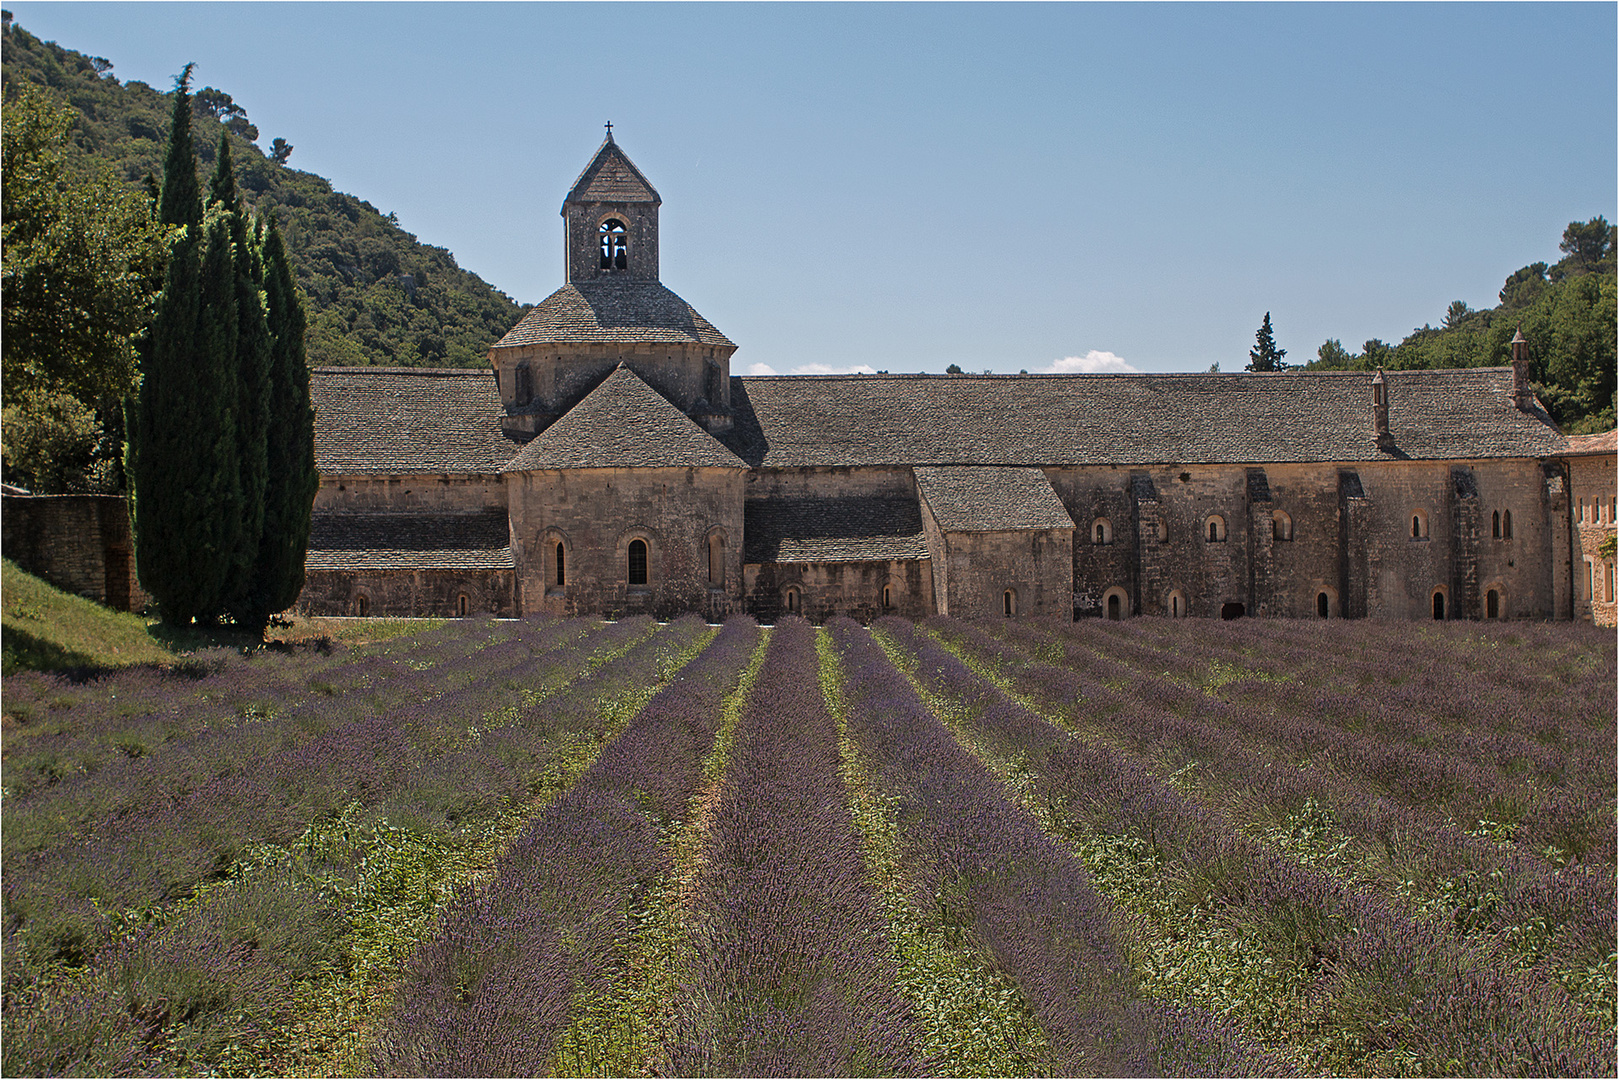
[252,372]
[184,468]
[290,493]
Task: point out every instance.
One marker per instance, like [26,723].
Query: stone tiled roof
[611,177]
[614,312]
[792,421]
[407,420]
[1600,443]
[847,529]
[623,423]
[414,541]
[976,498]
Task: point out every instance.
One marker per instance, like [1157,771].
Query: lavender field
[939,848]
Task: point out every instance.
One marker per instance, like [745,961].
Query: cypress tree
[183,452]
[252,377]
[289,497]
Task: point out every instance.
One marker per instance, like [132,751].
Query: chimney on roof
[1380,412]
[1521,394]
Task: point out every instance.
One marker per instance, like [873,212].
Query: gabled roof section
[623,423]
[611,177]
[1600,443]
[407,420]
[794,421]
[978,499]
[614,312]
[850,528]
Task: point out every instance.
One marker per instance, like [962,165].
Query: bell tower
[612,220]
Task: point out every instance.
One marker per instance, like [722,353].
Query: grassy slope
[46,628]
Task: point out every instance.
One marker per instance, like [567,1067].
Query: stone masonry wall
[560,375]
[412,593]
[854,589]
[1035,564]
[596,513]
[79,543]
[1592,486]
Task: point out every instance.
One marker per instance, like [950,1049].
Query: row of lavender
[1421,941]
[141,933]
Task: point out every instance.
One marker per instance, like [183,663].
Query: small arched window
[1419,525]
[888,597]
[1177,605]
[462,604]
[790,600]
[716,560]
[1009,603]
[615,248]
[1102,531]
[1281,526]
[636,562]
[1214,528]
[1492,605]
[1323,605]
[1608,574]
[562,565]
[1506,524]
[1439,604]
[362,605]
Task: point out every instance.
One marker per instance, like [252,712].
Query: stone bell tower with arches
[612,310]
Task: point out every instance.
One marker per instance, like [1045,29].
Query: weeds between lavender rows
[494,991]
[1285,930]
[1546,912]
[225,979]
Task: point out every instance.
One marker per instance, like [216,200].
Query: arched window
[1214,528]
[615,248]
[716,560]
[1009,603]
[1492,605]
[1608,573]
[1495,525]
[362,605]
[1506,524]
[1419,524]
[1115,604]
[888,597]
[636,560]
[1439,603]
[1102,531]
[1281,526]
[562,565]
[461,605]
[1177,605]
[1323,605]
[1115,610]
[790,600]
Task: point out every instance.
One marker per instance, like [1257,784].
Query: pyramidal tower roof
[611,177]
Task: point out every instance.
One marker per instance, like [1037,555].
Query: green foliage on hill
[375,294]
[46,628]
[1566,311]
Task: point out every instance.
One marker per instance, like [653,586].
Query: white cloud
[1095,362]
[813,369]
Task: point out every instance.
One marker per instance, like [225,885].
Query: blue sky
[901,187]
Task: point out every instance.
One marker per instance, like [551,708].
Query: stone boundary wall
[79,543]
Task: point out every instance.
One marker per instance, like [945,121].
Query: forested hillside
[376,295]
[1565,310]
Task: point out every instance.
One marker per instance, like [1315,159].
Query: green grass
[46,628]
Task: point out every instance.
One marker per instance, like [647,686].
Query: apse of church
[608,463]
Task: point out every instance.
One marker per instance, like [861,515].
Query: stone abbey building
[610,463]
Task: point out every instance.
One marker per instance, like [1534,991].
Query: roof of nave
[821,420]
[611,177]
[1600,443]
[840,529]
[614,312]
[623,423]
[979,498]
[410,541]
[407,420]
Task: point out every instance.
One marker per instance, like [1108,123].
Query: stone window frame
[1009,604]
[1101,533]
[1331,594]
[1123,596]
[362,603]
[1419,524]
[715,535]
[621,256]
[1501,525]
[650,539]
[1281,526]
[792,599]
[888,596]
[1215,530]
[1498,590]
[1590,580]
[550,540]
[1442,594]
[1171,599]
[1608,582]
